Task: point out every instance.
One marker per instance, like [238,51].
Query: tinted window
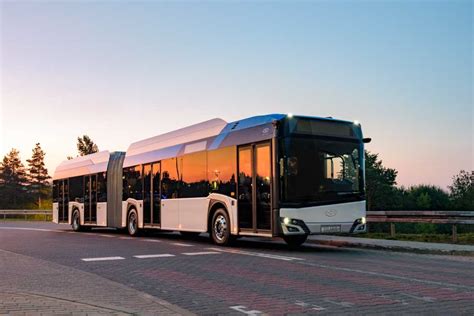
[132,183]
[55,191]
[221,170]
[194,178]
[170,173]
[76,189]
[102,187]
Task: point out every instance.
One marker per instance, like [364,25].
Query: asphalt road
[254,276]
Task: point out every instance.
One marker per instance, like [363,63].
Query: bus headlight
[286,220]
[363,220]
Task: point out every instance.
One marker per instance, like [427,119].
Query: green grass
[464,238]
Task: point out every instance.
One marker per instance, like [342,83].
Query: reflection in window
[194,178]
[132,183]
[170,173]
[221,170]
[102,187]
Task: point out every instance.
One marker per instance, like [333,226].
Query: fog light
[292,229]
[286,220]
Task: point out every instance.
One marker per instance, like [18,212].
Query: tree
[380,184]
[462,191]
[86,146]
[12,179]
[38,174]
[426,197]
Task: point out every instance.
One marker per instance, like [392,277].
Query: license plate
[330,228]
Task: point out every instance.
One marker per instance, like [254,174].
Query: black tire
[190,235]
[220,228]
[294,241]
[76,221]
[132,222]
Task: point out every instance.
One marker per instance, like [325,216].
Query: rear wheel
[76,221]
[132,223]
[220,228]
[295,240]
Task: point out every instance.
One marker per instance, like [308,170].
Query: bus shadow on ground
[248,243]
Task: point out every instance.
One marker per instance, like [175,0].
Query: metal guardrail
[433,217]
[25,213]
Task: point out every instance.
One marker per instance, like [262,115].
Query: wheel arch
[214,205]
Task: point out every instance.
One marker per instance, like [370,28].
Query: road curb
[355,244]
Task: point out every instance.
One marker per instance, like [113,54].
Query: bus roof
[82,165]
[208,135]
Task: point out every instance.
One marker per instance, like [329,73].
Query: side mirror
[367,140]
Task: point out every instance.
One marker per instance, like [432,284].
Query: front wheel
[76,222]
[132,223]
[220,228]
[295,240]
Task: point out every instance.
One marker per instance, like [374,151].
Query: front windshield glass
[315,170]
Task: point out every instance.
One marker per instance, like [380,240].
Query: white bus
[272,175]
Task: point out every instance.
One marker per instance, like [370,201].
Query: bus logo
[331,213]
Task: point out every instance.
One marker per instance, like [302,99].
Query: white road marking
[256,254]
[387,275]
[344,304]
[150,240]
[201,253]
[104,235]
[312,306]
[161,255]
[181,244]
[242,309]
[127,238]
[420,298]
[35,229]
[102,259]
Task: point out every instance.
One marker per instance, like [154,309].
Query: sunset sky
[122,71]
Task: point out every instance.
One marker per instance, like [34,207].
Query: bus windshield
[315,170]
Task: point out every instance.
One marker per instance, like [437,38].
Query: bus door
[254,190]
[147,199]
[90,199]
[63,202]
[151,194]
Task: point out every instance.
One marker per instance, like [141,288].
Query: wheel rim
[75,221]
[220,227]
[132,223]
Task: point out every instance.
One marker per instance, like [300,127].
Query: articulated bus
[272,175]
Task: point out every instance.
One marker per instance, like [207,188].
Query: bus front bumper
[298,227]
[326,219]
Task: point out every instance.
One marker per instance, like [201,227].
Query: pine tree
[86,146]
[12,179]
[38,174]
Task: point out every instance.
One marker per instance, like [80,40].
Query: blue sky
[122,71]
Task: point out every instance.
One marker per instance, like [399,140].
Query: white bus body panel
[102,214]
[56,213]
[231,206]
[170,214]
[138,205]
[193,214]
[338,214]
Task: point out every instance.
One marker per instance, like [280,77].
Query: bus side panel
[193,214]
[55,213]
[102,214]
[170,214]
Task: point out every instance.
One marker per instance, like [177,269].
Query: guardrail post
[455,233]
[25,215]
[392,229]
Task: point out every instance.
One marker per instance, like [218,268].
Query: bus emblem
[331,213]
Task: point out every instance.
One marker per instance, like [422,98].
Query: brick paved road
[255,276]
